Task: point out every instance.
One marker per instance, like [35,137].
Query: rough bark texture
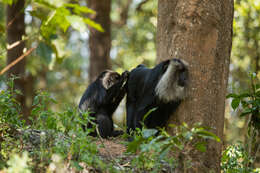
[200,32]
[15,30]
[99,42]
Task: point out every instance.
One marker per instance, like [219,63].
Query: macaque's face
[181,72]
[110,78]
[174,81]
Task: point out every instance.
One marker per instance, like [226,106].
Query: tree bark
[15,31]
[99,42]
[199,32]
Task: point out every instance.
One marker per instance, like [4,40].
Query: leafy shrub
[51,133]
[161,152]
[250,101]
[55,141]
[235,159]
[246,154]
[10,111]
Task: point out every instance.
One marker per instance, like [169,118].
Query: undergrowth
[56,142]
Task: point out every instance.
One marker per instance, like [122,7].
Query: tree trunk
[199,32]
[15,31]
[99,42]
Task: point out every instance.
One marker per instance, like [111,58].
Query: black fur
[101,101]
[142,95]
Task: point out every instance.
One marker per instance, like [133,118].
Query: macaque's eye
[117,77]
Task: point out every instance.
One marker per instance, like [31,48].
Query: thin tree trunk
[199,32]
[99,42]
[15,31]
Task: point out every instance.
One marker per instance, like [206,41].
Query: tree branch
[139,7]
[17,60]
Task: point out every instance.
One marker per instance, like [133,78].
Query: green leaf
[258,93]
[77,166]
[39,14]
[77,23]
[149,132]
[36,100]
[45,52]
[148,113]
[2,29]
[134,145]
[244,95]
[60,19]
[177,142]
[235,103]
[8,2]
[80,9]
[257,86]
[253,75]
[94,25]
[244,103]
[201,146]
[207,134]
[232,95]
[246,112]
[45,4]
[188,135]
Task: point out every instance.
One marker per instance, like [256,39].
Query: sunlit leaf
[80,9]
[45,3]
[94,25]
[8,2]
[77,22]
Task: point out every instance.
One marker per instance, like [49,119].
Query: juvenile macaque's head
[173,83]
[109,78]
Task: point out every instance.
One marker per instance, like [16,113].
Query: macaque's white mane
[167,88]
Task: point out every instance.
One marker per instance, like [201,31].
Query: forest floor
[111,147]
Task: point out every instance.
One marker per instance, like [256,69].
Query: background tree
[200,33]
[99,42]
[15,28]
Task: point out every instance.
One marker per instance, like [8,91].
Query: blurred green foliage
[250,107]
[245,59]
[134,43]
[245,55]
